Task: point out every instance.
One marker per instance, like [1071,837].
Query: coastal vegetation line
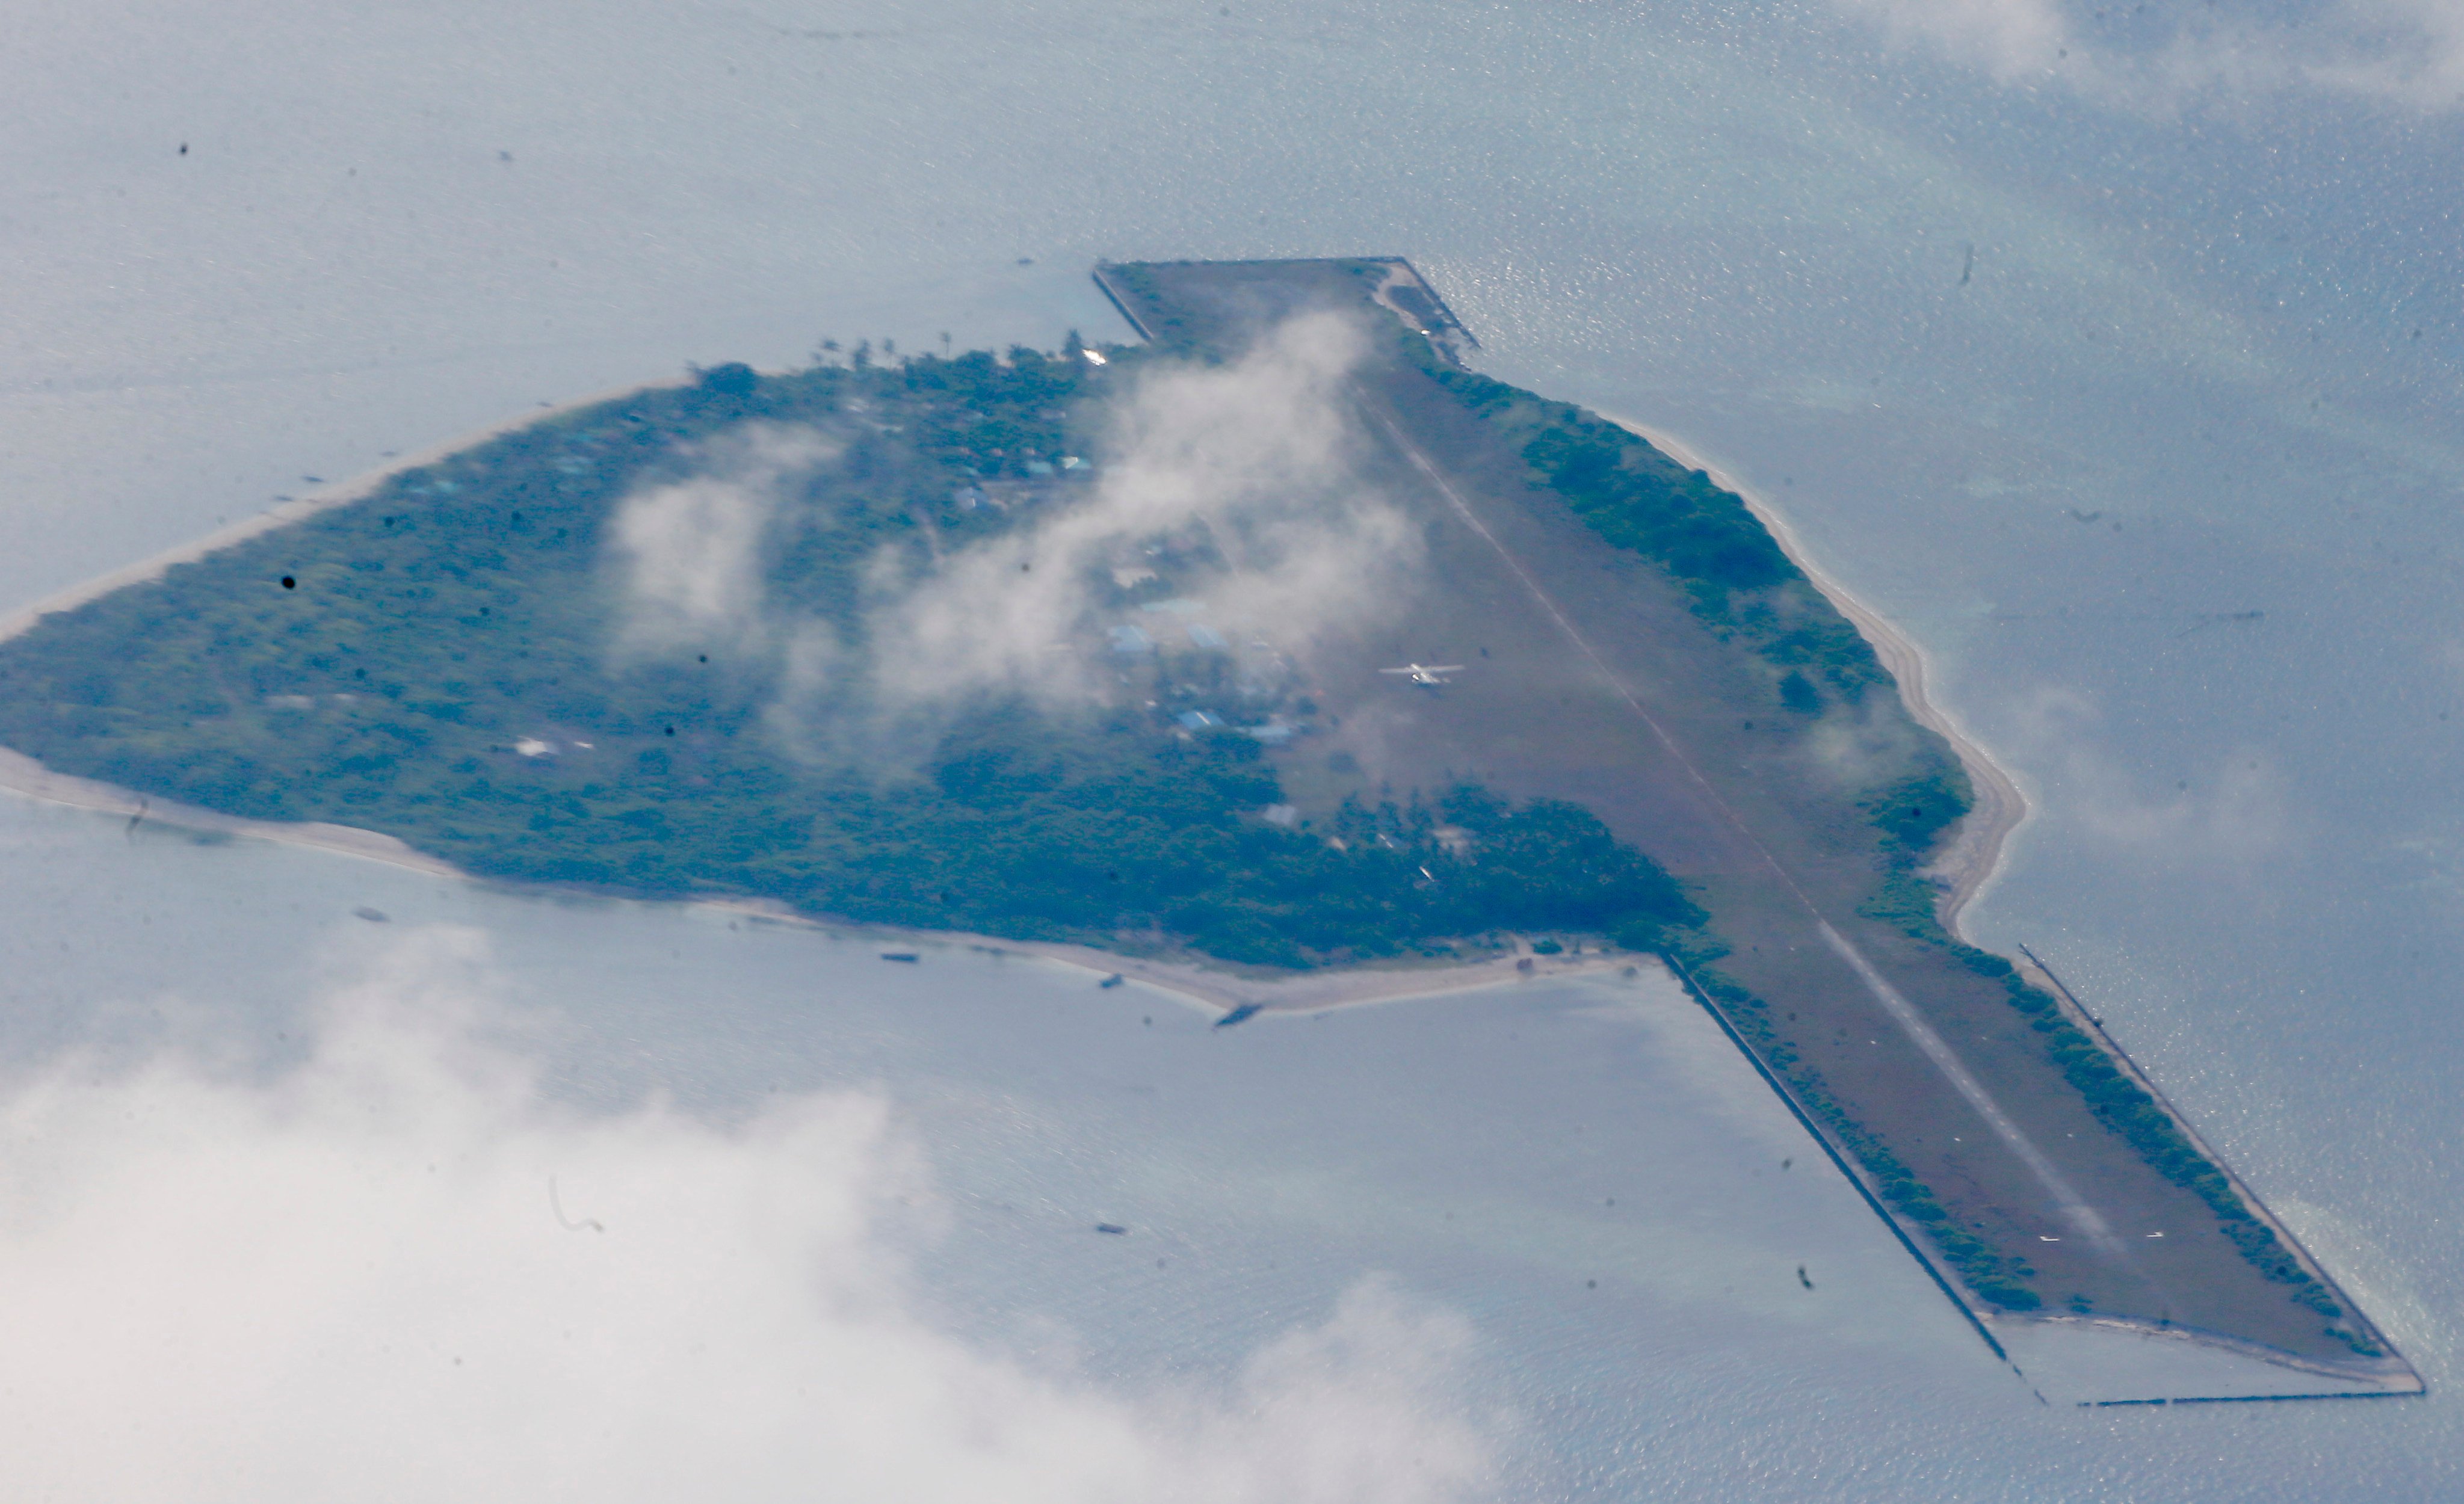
[432,663]
[1748,958]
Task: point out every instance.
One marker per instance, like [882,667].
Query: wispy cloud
[2403,53]
[1856,749]
[400,1271]
[2221,818]
[1249,471]
[689,554]
[2010,37]
[1241,482]
[2409,50]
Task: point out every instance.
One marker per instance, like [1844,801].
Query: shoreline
[1969,866]
[282,514]
[1199,985]
[2388,1377]
[1214,990]
[1207,987]
[1973,859]
[28,778]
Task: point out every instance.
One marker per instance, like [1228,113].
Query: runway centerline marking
[1895,1005]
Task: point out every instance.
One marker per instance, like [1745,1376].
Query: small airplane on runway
[1432,674]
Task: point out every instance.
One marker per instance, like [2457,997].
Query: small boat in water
[1114,980]
[908,956]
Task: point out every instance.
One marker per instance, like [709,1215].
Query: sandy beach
[1965,867]
[1974,859]
[1216,988]
[22,775]
[282,514]
[1188,981]
[1204,986]
[1969,863]
[1349,988]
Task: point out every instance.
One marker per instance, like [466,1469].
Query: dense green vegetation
[383,665]
[1993,1275]
[1743,587]
[435,662]
[1910,817]
[1741,583]
[1707,539]
[2126,1108]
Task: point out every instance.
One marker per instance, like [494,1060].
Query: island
[1281,646]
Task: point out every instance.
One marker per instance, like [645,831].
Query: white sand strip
[282,514]
[1973,858]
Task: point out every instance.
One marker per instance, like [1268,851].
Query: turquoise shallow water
[2068,390]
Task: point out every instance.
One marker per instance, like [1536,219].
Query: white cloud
[1248,472]
[2409,50]
[2407,53]
[690,554]
[1858,749]
[2007,37]
[1257,456]
[2235,811]
[810,689]
[350,1281]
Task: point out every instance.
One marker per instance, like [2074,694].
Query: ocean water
[1666,1281]
[2117,404]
